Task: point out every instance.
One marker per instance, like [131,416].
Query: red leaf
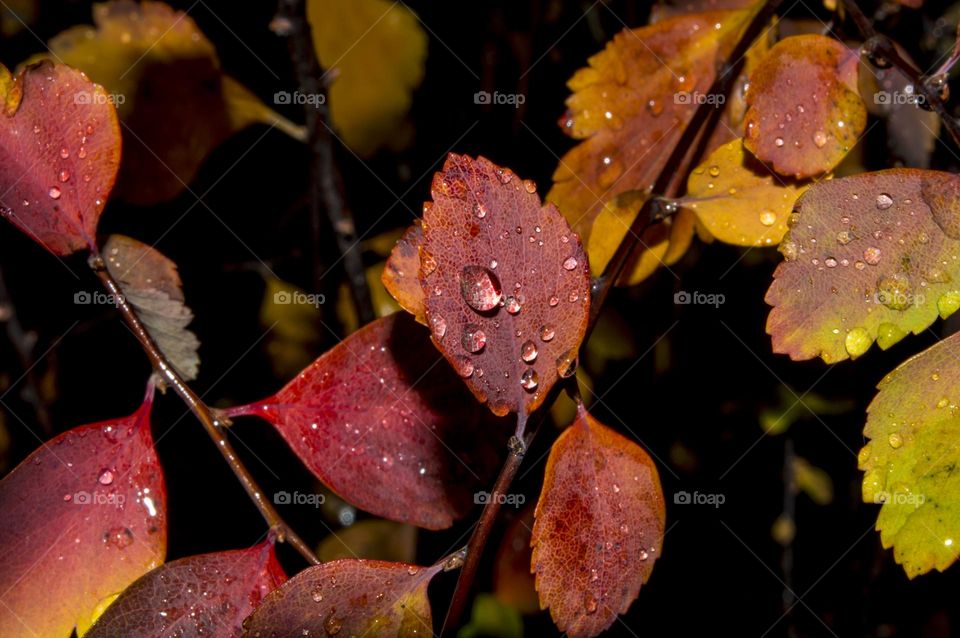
[59,155]
[348,597]
[84,516]
[599,527]
[506,281]
[204,595]
[382,406]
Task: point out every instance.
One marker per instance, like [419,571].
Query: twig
[211,423]
[326,183]
[882,53]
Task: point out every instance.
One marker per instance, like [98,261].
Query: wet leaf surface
[401,274]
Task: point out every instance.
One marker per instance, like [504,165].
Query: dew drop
[64,176]
[119,537]
[547,333]
[778,141]
[590,603]
[554,300]
[480,210]
[768,218]
[529,380]
[317,595]
[857,342]
[884,201]
[567,364]
[844,237]
[530,186]
[480,288]
[54,193]
[872,255]
[106,477]
[439,326]
[714,171]
[474,338]
[64,153]
[463,366]
[895,440]
[528,352]
[830,262]
[819,139]
[512,304]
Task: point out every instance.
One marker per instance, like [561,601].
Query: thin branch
[213,424]
[326,183]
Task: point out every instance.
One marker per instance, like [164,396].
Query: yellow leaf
[377,50]
[84,624]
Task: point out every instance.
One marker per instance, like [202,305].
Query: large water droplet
[512,304]
[529,380]
[778,141]
[463,366]
[857,342]
[480,288]
[714,171]
[570,263]
[872,255]
[819,139]
[54,192]
[547,333]
[474,338]
[64,176]
[530,186]
[894,291]
[895,440]
[567,364]
[768,218]
[528,351]
[884,201]
[106,477]
[439,326]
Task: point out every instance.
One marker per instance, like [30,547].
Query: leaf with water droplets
[203,595]
[348,597]
[739,199]
[164,77]
[868,257]
[151,284]
[401,274]
[50,190]
[804,111]
[499,271]
[630,106]
[377,49]
[83,517]
[382,405]
[599,527]
[911,458]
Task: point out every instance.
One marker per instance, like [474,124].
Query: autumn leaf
[804,112]
[373,538]
[630,107]
[506,284]
[513,584]
[739,200]
[59,155]
[84,516]
[868,257]
[164,76]
[401,274]
[375,50]
[207,594]
[910,461]
[599,527]
[348,597]
[378,405]
[151,284]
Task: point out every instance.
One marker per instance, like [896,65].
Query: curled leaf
[804,112]
[868,257]
[375,405]
[401,274]
[348,597]
[377,50]
[506,283]
[599,527]
[84,516]
[164,76]
[151,284]
[911,458]
[59,155]
[740,200]
[207,594]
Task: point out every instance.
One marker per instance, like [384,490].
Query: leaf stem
[206,415]
[326,182]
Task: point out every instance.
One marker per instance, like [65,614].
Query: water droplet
[119,537]
[819,139]
[480,288]
[894,291]
[474,338]
[547,333]
[790,250]
[64,153]
[872,255]
[570,263]
[505,175]
[428,263]
[106,477]
[439,326]
[529,380]
[884,201]
[567,364]
[413,570]
[530,186]
[830,262]
[590,603]
[54,193]
[64,176]
[512,304]
[463,366]
[714,171]
[844,237]
[610,171]
[317,595]
[778,141]
[768,218]
[943,402]
[857,342]
[480,210]
[332,625]
[895,440]
[528,352]
[82,152]
[554,300]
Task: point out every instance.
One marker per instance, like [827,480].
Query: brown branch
[326,183]
[212,423]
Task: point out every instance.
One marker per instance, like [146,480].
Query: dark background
[694,396]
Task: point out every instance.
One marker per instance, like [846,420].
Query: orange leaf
[506,282]
[599,527]
[59,155]
[400,276]
[803,109]
[348,597]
